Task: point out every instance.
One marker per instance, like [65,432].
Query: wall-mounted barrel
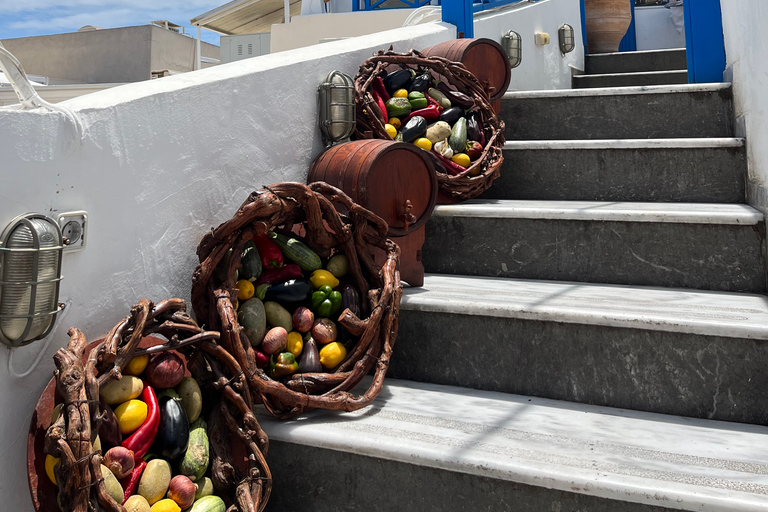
[394,180]
[485,58]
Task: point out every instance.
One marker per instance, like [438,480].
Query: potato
[155,480]
[191,398]
[137,503]
[119,391]
[278,316]
[113,486]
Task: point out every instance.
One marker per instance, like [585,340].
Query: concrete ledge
[693,143]
[623,456]
[682,213]
[618,91]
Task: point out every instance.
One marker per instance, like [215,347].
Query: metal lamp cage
[337,108]
[30,275]
[566,38]
[512,43]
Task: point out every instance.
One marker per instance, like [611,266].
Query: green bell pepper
[325,302]
[417,100]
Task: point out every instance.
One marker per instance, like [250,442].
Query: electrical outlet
[542,38]
[74,228]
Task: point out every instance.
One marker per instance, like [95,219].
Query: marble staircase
[591,335]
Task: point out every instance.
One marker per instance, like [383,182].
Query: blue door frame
[704,42]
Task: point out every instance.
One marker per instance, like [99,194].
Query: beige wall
[126,54]
[308,30]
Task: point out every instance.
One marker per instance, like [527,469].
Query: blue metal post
[584,26]
[459,13]
[704,43]
[629,42]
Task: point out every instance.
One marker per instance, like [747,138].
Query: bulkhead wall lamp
[566,38]
[337,108]
[513,45]
[30,273]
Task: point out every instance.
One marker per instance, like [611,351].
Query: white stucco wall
[655,29]
[542,67]
[746,48]
[163,161]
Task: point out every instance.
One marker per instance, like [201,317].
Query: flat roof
[246,16]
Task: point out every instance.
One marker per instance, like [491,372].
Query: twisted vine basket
[245,487]
[315,211]
[370,121]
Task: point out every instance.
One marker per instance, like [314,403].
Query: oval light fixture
[513,45]
[566,38]
[30,274]
[337,108]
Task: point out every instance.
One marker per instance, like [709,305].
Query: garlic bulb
[443,148]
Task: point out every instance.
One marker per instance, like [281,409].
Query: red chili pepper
[270,254]
[452,167]
[432,101]
[277,275]
[378,86]
[141,440]
[380,103]
[429,113]
[133,480]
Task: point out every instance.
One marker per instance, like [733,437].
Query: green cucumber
[209,504]
[458,138]
[195,461]
[250,264]
[297,252]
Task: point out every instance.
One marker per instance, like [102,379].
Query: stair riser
[638,116]
[702,175]
[628,80]
[700,256]
[636,62]
[664,372]
[310,479]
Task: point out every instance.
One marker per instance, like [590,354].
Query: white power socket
[74,228]
[542,38]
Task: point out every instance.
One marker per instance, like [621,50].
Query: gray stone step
[679,76]
[687,245]
[674,351]
[650,112]
[670,170]
[437,448]
[632,62]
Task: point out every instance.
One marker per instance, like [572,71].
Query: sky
[23,18]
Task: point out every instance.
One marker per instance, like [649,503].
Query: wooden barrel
[485,58]
[394,180]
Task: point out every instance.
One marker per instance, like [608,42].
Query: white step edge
[681,213]
[636,52]
[629,456]
[733,315]
[617,91]
[693,143]
[635,73]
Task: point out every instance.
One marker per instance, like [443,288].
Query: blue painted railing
[456,12]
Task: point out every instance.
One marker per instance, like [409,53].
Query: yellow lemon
[461,159]
[245,289]
[51,461]
[423,143]
[295,343]
[391,130]
[137,365]
[332,355]
[394,122]
[166,505]
[400,93]
[131,415]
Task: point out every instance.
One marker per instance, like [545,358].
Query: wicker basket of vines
[156,414]
[295,280]
[393,85]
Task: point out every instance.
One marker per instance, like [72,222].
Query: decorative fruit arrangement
[287,303]
[431,115]
[155,445]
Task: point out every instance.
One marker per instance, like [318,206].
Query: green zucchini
[209,504]
[195,461]
[250,264]
[458,138]
[297,252]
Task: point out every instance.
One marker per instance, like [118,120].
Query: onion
[182,491]
[303,319]
[119,460]
[324,331]
[165,370]
[274,341]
